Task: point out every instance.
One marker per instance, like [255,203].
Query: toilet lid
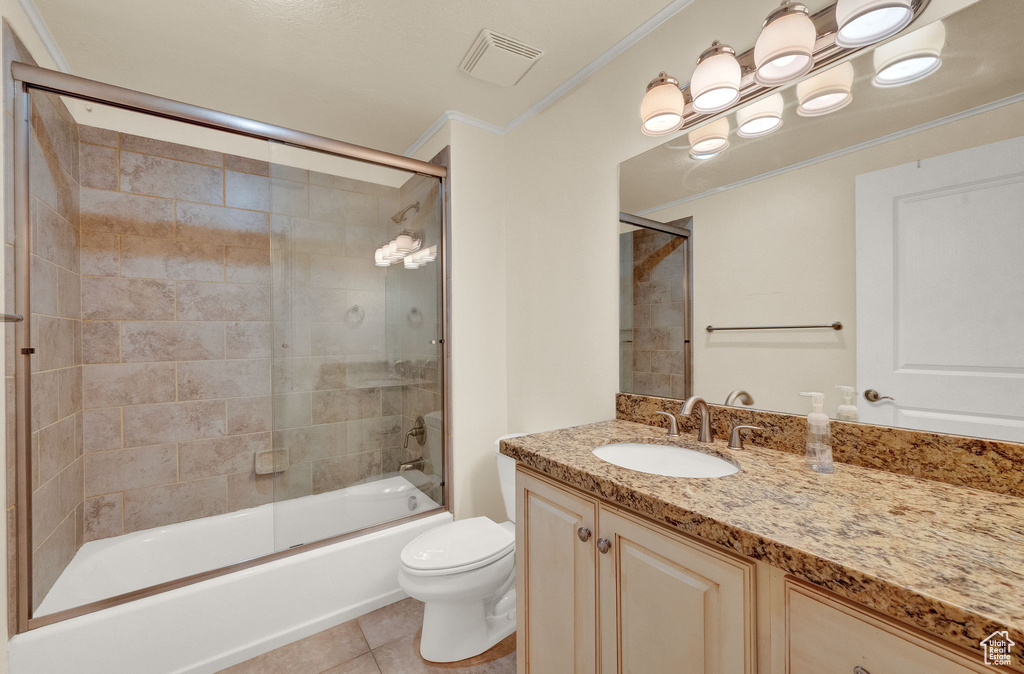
[473,542]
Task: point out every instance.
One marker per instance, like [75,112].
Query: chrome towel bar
[835,326]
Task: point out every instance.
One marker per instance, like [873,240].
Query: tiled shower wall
[658,295]
[177,301]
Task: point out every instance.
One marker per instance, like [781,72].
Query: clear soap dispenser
[819,440]
[848,409]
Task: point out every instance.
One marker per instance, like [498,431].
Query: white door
[940,292]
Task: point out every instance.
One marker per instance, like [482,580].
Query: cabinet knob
[603,545]
[860,670]
[583,533]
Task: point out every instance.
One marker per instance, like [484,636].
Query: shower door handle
[13,318]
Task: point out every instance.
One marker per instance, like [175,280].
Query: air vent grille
[499,59]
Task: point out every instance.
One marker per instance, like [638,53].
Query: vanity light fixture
[760,118]
[708,140]
[911,57]
[825,92]
[396,250]
[661,111]
[420,258]
[715,84]
[864,22]
[784,50]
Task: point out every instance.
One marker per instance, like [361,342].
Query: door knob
[872,396]
[583,533]
[603,545]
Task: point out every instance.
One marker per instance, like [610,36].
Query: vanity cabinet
[600,590]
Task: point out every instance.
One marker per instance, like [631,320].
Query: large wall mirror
[895,223]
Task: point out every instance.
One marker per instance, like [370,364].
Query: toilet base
[454,631]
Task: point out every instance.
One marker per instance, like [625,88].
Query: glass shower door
[356,363]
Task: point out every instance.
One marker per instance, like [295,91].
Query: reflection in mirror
[897,214]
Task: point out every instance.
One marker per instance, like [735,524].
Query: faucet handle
[673,425]
[736,438]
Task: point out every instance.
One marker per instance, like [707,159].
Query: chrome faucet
[673,426]
[415,464]
[696,402]
[741,395]
[418,431]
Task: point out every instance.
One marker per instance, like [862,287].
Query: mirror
[894,225]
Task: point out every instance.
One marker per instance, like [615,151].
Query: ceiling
[372,72]
[969,77]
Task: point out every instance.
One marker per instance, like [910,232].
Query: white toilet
[465,573]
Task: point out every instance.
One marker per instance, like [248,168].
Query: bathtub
[219,622]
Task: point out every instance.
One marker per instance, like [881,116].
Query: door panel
[670,605]
[938,292]
[556,579]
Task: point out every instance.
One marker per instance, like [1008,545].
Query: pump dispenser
[819,441]
[847,410]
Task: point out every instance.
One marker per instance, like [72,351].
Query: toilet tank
[507,476]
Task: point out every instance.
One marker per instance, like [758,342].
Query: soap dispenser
[819,441]
[847,410]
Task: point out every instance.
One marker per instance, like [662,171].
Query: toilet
[465,574]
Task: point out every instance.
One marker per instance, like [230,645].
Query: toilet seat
[457,547]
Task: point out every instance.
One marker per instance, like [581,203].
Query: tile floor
[381,642]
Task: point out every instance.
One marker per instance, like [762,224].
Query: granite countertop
[946,559]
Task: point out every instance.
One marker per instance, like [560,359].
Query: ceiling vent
[499,59]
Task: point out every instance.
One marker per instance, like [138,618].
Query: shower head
[400,217]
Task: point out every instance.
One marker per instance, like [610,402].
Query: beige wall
[790,259]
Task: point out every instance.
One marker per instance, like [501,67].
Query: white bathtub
[210,625]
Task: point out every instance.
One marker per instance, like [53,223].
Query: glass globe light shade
[760,118]
[715,84]
[825,92]
[784,50]
[864,22]
[661,111]
[910,57]
[709,139]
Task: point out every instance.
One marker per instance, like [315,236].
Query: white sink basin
[667,460]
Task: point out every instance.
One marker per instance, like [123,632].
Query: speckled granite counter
[946,559]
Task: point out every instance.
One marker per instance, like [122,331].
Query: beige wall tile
[246,165]
[121,213]
[97,136]
[160,148]
[101,342]
[160,177]
[55,135]
[173,422]
[343,471]
[55,449]
[223,379]
[69,391]
[310,374]
[127,299]
[45,396]
[103,517]
[99,254]
[292,410]
[248,340]
[376,434]
[339,206]
[246,190]
[54,238]
[102,429]
[69,294]
[46,511]
[289,198]
[345,405]
[310,443]
[249,415]
[147,257]
[248,490]
[222,302]
[171,340]
[49,181]
[98,166]
[340,183]
[248,265]
[69,486]
[123,469]
[157,506]
[203,223]
[51,558]
[54,340]
[44,290]
[311,236]
[119,384]
[288,173]
[220,456]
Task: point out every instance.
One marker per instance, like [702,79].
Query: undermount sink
[667,460]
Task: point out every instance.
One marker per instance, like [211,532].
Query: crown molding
[994,105]
[36,19]
[562,89]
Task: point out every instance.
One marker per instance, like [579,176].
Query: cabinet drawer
[826,635]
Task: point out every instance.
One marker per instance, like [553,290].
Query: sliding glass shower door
[356,362]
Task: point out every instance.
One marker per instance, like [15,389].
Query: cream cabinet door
[556,578]
[671,605]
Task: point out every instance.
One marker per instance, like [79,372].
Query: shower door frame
[28,78]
